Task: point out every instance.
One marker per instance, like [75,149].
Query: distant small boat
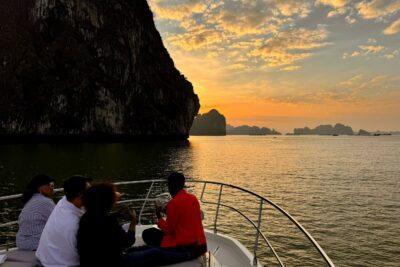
[335,135]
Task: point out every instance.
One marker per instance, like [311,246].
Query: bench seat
[20,258]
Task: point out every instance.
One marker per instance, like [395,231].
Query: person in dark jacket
[180,236]
[101,240]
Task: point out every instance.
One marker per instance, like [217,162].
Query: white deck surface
[223,252]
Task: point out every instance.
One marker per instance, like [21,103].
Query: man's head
[176,182]
[74,187]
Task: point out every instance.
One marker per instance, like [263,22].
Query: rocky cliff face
[86,67]
[210,123]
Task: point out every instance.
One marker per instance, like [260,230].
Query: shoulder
[39,202]
[185,197]
[188,195]
[47,201]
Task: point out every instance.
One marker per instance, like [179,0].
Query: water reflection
[115,162]
[344,190]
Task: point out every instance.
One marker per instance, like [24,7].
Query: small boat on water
[241,227]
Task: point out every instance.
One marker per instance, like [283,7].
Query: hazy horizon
[289,64]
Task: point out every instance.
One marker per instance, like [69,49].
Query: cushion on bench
[18,264]
[21,256]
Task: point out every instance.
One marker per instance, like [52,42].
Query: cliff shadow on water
[111,162]
[88,70]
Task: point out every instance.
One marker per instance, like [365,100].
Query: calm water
[344,190]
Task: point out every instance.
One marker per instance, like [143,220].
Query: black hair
[99,197]
[32,187]
[176,180]
[75,185]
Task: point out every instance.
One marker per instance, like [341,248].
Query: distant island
[210,123]
[338,129]
[250,130]
[214,123]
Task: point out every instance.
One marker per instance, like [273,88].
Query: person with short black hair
[74,187]
[38,206]
[180,236]
[57,245]
[101,240]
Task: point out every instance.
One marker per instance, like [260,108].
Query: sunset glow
[286,64]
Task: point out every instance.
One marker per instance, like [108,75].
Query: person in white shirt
[58,245]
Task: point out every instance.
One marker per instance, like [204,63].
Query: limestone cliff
[88,68]
[210,123]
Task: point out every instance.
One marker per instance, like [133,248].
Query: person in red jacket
[180,236]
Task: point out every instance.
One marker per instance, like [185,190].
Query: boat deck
[223,251]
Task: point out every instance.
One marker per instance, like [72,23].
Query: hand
[132,225]
[158,212]
[133,217]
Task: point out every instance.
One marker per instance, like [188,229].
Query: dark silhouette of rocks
[363,132]
[250,130]
[93,69]
[210,123]
[325,130]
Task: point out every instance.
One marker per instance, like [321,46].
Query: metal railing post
[255,260]
[144,204]
[217,211]
[202,191]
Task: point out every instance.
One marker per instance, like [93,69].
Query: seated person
[101,240]
[57,245]
[37,208]
[181,235]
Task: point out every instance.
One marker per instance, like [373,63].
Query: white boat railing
[217,204]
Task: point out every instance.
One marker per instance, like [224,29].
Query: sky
[287,64]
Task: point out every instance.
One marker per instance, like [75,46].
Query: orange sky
[289,64]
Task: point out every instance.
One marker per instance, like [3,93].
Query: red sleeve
[168,226]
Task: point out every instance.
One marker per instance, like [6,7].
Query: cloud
[286,48]
[365,50]
[337,12]
[393,28]
[361,87]
[198,37]
[177,10]
[371,49]
[240,19]
[290,8]
[392,55]
[350,20]
[377,9]
[352,81]
[255,28]
[291,68]
[333,3]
